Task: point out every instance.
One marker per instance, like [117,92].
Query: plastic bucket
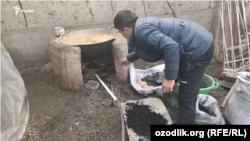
[207,84]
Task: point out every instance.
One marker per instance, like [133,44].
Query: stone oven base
[67,65]
[66,61]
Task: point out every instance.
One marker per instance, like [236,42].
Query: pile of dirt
[140,117]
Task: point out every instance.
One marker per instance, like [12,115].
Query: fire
[93,65]
[84,67]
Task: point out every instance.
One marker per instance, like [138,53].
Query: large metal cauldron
[101,51]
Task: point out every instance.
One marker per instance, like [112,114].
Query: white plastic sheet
[237,110]
[14,101]
[135,73]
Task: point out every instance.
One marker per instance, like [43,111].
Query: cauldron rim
[87,32]
[82,45]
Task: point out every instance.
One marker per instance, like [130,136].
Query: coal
[154,79]
[140,117]
[92,65]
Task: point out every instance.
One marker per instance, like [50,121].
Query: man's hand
[168,85]
[125,62]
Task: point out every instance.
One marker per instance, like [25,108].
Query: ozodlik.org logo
[21,10]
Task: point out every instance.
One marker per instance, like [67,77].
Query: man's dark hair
[124,18]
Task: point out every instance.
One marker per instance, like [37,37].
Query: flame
[93,62]
[84,67]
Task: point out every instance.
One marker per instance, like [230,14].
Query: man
[186,47]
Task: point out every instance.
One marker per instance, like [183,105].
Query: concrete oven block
[92,85]
[120,51]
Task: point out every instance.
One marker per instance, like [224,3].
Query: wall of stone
[26,35]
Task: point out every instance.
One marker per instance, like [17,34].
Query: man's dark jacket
[176,41]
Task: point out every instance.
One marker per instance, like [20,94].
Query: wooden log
[229,94]
[66,61]
[120,51]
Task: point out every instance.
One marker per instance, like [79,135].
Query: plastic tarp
[14,101]
[208,111]
[237,110]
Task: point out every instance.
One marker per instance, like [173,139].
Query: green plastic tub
[207,84]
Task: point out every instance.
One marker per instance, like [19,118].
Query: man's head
[124,22]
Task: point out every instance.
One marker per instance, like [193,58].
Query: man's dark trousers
[190,83]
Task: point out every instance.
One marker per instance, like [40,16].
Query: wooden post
[216,67]
[248,15]
[66,61]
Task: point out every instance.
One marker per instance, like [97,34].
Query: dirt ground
[56,115]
